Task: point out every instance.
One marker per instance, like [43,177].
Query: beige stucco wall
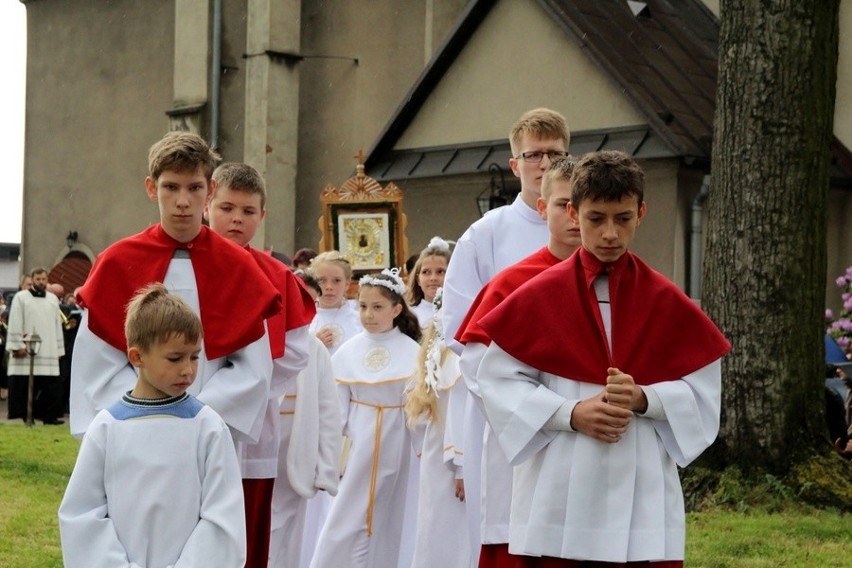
[516,60]
[99,80]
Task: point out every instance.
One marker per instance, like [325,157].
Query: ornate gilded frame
[364,221]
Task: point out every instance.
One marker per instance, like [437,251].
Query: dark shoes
[54,422]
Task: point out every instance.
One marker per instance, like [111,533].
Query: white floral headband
[437,243]
[395,284]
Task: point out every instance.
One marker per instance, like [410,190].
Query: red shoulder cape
[498,289]
[234,295]
[553,323]
[299,308]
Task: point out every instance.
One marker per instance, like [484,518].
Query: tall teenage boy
[596,436]
[218,279]
[501,238]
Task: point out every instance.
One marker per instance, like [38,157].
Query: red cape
[553,324]
[299,308]
[234,295]
[498,289]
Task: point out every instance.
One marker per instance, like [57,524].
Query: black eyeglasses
[536,156]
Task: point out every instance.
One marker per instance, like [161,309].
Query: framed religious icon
[365,222]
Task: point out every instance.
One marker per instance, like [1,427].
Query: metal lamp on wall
[33,343]
[494,195]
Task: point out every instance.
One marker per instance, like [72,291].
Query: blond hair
[331,257]
[559,169]
[240,177]
[421,400]
[181,152]
[154,316]
[539,123]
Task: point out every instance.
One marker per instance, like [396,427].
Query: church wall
[99,80]
[518,59]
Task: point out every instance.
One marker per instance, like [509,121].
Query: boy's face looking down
[528,170]
[181,197]
[235,214]
[607,227]
[167,368]
[564,231]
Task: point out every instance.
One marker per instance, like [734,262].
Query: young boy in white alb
[157,483]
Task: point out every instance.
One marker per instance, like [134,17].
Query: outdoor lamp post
[33,343]
[493,196]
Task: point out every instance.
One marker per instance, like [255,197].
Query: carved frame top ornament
[360,187]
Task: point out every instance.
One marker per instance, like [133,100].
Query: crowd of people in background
[467,409]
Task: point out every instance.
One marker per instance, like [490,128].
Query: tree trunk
[765,263]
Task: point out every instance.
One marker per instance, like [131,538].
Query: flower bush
[840,328]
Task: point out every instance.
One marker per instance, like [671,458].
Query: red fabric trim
[228,281]
[498,289]
[553,324]
[298,309]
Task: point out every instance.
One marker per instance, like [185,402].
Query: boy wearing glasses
[501,238]
[596,437]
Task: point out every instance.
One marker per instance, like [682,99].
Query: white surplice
[344,322]
[501,238]
[365,524]
[235,386]
[155,487]
[309,456]
[441,539]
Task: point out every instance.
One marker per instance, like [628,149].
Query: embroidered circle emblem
[377,358]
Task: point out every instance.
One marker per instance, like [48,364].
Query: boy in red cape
[219,280]
[564,239]
[235,211]
[622,386]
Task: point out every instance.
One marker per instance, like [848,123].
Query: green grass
[35,464]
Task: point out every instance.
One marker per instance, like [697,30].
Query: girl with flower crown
[426,277]
[437,398]
[365,523]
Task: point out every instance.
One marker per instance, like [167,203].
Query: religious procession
[415,386]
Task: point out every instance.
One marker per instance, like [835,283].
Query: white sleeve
[516,403]
[471,357]
[239,390]
[691,409]
[330,426]
[462,283]
[89,538]
[296,353]
[454,425]
[344,397]
[100,375]
[219,538]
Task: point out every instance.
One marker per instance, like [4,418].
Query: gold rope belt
[377,448]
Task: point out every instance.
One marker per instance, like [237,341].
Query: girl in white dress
[436,398]
[337,318]
[365,524]
[426,277]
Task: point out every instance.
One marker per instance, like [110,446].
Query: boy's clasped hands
[606,416]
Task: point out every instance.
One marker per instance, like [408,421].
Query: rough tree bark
[765,262]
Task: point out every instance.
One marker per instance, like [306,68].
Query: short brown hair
[240,177]
[154,315]
[558,170]
[606,176]
[181,152]
[539,123]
